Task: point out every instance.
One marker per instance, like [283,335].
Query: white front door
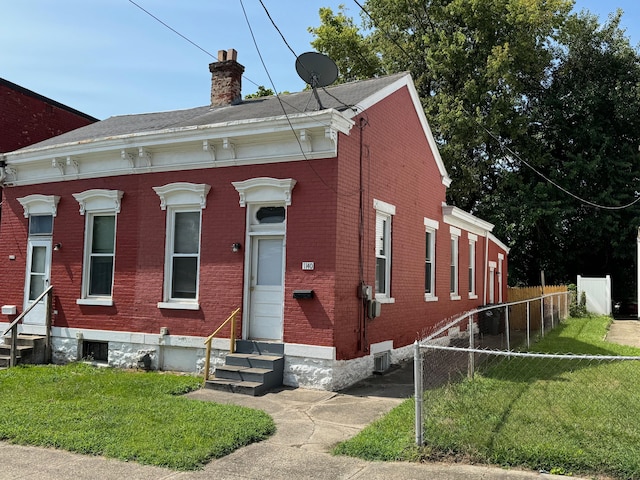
[37,279]
[266,289]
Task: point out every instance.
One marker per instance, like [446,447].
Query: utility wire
[547,179]
[184,37]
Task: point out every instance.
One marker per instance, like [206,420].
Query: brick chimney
[226,79]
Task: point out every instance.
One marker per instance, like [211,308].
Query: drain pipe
[486,267]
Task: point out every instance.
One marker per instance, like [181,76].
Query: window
[102,240]
[472,266]
[184,253]
[384,213]
[40,225]
[429,259]
[184,203]
[453,283]
[100,208]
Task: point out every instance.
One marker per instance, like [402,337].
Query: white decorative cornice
[37,204]
[264,189]
[459,218]
[248,142]
[99,200]
[183,194]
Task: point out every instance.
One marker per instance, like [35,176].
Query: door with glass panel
[37,279]
[267,292]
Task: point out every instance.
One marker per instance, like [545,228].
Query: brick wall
[27,118]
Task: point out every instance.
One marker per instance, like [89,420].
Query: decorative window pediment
[183,193]
[265,190]
[98,200]
[39,204]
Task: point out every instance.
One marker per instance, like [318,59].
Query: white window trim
[37,204]
[388,210]
[455,258]
[431,226]
[473,241]
[97,202]
[500,268]
[180,197]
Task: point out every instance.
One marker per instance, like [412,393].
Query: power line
[183,36]
[547,179]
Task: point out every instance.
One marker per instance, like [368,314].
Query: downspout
[486,267]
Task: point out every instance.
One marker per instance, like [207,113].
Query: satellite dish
[317,70]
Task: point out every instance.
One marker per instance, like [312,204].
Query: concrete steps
[254,369]
[31,349]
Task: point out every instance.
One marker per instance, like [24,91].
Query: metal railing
[232,341]
[13,326]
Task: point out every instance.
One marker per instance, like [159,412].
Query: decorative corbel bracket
[208,146]
[59,164]
[331,134]
[128,157]
[305,140]
[227,144]
[73,162]
[146,156]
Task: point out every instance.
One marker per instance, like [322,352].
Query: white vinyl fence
[598,294]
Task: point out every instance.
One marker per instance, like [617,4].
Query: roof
[228,133]
[339,97]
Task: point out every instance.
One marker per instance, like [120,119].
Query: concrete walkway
[309,423]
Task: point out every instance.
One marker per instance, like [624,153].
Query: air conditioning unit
[381,362]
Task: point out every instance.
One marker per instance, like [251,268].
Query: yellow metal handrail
[232,341]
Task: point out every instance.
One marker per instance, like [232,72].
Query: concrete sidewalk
[625,332]
[309,423]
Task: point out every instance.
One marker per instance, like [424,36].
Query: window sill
[455,297]
[430,298]
[473,296]
[98,302]
[385,300]
[179,306]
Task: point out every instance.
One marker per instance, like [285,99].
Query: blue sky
[108,57]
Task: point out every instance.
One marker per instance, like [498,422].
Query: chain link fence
[480,394]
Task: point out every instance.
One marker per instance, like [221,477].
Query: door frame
[32,318]
[250,267]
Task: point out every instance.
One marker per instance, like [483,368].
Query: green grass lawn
[131,416]
[561,416]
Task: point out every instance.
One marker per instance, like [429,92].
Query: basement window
[95,351]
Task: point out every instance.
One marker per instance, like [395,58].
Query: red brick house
[326,226]
[27,117]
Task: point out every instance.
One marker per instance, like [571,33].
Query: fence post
[471,368]
[417,381]
[551,299]
[542,315]
[506,326]
[528,325]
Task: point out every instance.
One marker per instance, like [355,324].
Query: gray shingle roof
[339,97]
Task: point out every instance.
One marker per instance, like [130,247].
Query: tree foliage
[508,80]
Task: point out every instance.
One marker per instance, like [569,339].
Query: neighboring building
[27,118]
[153,228]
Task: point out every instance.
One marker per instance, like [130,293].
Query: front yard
[130,416]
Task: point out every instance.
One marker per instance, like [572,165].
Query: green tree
[262,92]
[584,135]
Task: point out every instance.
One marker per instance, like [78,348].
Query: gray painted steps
[254,369]
[30,349]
